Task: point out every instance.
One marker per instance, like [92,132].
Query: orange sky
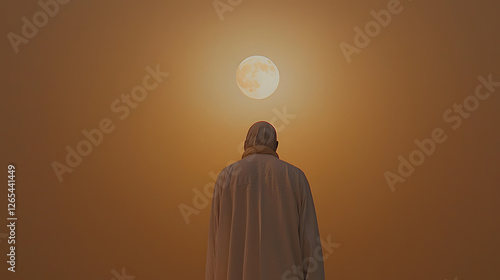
[347,125]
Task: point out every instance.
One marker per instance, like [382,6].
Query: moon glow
[257,77]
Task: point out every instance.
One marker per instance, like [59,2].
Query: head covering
[261,139]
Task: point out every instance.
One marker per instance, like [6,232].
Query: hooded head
[261,138]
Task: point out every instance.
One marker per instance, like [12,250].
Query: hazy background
[120,206]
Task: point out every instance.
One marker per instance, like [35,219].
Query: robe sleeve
[211,259]
[310,243]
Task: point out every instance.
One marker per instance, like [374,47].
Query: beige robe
[263,223]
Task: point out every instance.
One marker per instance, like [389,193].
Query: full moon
[257,77]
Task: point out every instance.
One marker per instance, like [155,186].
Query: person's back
[263,223]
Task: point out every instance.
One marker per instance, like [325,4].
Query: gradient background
[120,207]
